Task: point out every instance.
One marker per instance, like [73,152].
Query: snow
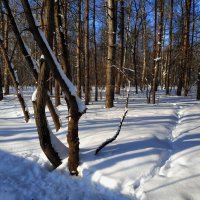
[34,95]
[157,59]
[156,155]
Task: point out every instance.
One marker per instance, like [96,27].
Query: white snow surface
[156,156]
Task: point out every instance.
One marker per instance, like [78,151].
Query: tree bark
[110,78]
[186,44]
[39,104]
[6,72]
[86,51]
[78,49]
[121,46]
[95,51]
[144,67]
[168,70]
[1,32]
[158,53]
[62,43]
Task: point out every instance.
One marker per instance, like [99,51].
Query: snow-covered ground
[156,156]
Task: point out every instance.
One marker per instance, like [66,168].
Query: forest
[71,68]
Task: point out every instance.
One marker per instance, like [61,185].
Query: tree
[121,46]
[158,50]
[78,49]
[186,45]
[1,27]
[169,47]
[110,77]
[86,53]
[76,106]
[40,102]
[95,50]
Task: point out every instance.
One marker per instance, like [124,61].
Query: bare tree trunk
[95,51]
[1,33]
[144,68]
[6,72]
[169,47]
[186,44]
[78,49]
[110,79]
[56,84]
[158,53]
[62,43]
[121,46]
[181,68]
[15,81]
[86,50]
[31,62]
[76,106]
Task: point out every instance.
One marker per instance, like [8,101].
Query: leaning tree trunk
[39,102]
[31,63]
[76,106]
[15,81]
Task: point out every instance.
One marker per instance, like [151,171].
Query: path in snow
[174,167]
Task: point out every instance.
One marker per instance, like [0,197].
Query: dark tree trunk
[86,51]
[198,85]
[186,44]
[158,51]
[78,50]
[6,72]
[95,52]
[1,70]
[62,43]
[39,103]
[168,70]
[119,72]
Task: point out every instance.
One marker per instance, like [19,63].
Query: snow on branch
[157,59]
[71,87]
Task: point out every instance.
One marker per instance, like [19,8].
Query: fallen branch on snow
[108,141]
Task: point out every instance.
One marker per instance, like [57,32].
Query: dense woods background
[100,44]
